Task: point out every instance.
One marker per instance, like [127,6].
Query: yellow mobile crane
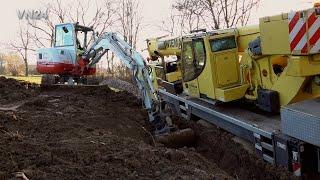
[275,65]
[249,62]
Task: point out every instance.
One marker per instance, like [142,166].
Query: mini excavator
[70,61]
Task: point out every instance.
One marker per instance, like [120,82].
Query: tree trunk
[26,67]
[25,59]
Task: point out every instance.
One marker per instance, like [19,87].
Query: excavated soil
[86,133]
[12,91]
[236,158]
[78,132]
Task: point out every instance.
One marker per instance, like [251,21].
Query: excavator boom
[131,59]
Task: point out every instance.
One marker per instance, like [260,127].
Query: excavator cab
[63,60]
[73,37]
[84,36]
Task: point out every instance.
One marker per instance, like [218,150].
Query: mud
[87,133]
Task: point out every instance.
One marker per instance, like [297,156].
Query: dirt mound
[122,85]
[90,133]
[77,132]
[12,90]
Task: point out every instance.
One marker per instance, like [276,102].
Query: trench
[232,154]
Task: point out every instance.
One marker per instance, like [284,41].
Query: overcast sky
[153,12]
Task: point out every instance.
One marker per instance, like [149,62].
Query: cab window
[200,54]
[84,39]
[193,58]
[223,44]
[64,35]
[187,56]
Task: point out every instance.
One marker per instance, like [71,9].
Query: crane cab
[210,66]
[63,58]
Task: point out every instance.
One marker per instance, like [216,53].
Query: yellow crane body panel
[294,33]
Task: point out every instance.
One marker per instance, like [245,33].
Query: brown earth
[12,91]
[219,146]
[86,133]
[96,133]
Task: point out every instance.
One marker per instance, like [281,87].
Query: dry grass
[31,79]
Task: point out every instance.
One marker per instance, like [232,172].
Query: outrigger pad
[302,121]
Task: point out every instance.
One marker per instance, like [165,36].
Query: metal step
[258,147]
[183,107]
[268,159]
[267,146]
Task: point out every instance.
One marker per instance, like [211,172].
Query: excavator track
[48,80]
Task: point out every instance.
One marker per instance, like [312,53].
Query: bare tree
[130,20]
[23,45]
[190,13]
[232,12]
[245,11]
[229,13]
[170,25]
[212,14]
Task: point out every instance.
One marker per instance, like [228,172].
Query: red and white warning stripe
[314,32]
[298,33]
[296,167]
[304,29]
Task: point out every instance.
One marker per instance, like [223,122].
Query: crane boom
[132,60]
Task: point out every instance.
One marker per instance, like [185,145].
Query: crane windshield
[193,59]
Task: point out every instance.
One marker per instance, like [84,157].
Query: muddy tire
[48,80]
